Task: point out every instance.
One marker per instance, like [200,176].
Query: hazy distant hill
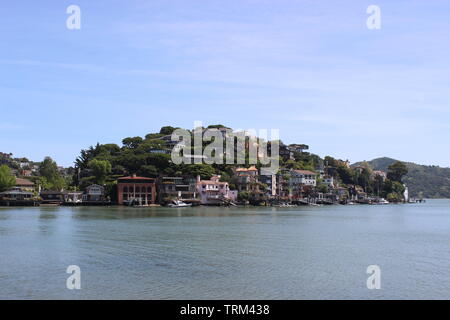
[433,181]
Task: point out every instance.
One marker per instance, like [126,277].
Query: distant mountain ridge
[433,181]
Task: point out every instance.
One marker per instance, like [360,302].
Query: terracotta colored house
[140,189]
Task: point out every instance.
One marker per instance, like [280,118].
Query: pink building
[214,192]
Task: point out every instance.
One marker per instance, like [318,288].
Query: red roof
[136,178]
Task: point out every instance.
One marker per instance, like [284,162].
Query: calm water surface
[226,253]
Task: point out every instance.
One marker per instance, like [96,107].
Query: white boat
[178,204]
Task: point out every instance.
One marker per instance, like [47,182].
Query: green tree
[243,196]
[167,130]
[345,174]
[7,179]
[378,184]
[398,188]
[100,169]
[321,187]
[43,182]
[393,188]
[393,197]
[149,171]
[205,171]
[132,143]
[152,136]
[48,169]
[363,178]
[397,171]
[130,161]
[330,161]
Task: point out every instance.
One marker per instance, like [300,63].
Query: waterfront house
[94,193]
[181,188]
[52,197]
[214,192]
[16,196]
[140,190]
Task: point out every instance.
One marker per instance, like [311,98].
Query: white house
[303,177]
[94,192]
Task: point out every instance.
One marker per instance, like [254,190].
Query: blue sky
[309,68]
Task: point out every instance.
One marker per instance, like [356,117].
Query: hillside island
[141,173]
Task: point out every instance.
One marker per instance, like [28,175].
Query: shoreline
[211,206]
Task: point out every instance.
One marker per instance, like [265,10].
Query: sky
[311,69]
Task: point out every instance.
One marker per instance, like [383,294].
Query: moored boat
[178,204]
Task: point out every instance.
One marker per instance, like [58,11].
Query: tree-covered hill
[432,181]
